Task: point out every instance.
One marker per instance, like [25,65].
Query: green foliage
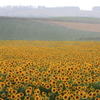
[74,19]
[28,29]
[96,85]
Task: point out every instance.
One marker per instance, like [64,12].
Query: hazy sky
[83,4]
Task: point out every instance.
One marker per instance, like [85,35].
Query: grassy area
[74,19]
[27,29]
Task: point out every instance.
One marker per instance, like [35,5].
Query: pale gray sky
[83,4]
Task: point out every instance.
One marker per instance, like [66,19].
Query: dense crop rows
[42,70]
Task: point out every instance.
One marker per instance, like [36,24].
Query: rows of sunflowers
[49,70]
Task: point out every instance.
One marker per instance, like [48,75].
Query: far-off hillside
[50,29]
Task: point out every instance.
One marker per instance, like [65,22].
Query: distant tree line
[42,11]
[96,8]
[62,8]
[30,7]
[20,7]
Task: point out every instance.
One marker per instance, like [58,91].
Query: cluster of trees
[62,8]
[42,11]
[39,7]
[20,7]
[96,8]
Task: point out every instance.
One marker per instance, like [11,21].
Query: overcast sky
[83,4]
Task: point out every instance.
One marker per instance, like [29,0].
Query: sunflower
[65,96]
[1,99]
[14,91]
[37,98]
[97,91]
[3,95]
[17,99]
[37,91]
[27,98]
[57,98]
[18,95]
[94,94]
[71,96]
[54,90]
[13,96]
[43,93]
[21,94]
[47,86]
[28,91]
[85,96]
[77,97]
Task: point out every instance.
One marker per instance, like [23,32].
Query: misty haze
[42,11]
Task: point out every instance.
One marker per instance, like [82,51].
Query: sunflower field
[49,70]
